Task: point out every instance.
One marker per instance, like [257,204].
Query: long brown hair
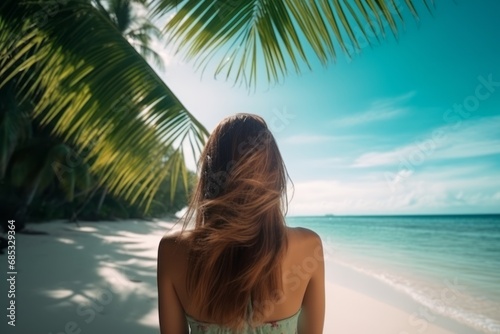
[239,236]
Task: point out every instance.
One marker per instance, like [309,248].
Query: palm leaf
[94,90]
[275,33]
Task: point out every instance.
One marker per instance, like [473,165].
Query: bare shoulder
[172,249]
[304,235]
[168,241]
[304,239]
[173,241]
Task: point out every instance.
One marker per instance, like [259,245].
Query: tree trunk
[101,201]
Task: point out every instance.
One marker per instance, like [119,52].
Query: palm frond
[121,11]
[276,33]
[94,90]
[150,54]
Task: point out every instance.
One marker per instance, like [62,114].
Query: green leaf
[94,90]
[240,35]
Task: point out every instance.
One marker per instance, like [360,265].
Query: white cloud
[383,109]
[307,139]
[371,115]
[440,190]
[329,162]
[315,139]
[160,48]
[472,139]
[139,10]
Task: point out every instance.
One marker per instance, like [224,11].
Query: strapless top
[283,326]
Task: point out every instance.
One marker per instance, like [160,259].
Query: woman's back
[240,266]
[300,305]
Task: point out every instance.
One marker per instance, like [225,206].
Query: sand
[101,278]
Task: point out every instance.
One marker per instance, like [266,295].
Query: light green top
[284,326]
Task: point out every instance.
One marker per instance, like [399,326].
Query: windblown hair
[239,237]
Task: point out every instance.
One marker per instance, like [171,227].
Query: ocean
[449,264]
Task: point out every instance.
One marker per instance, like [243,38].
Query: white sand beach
[101,278]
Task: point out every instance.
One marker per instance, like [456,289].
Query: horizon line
[396,215]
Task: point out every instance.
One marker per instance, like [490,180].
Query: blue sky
[405,127]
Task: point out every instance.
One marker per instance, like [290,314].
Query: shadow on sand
[96,278]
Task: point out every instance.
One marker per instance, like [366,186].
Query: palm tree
[137,29]
[275,35]
[88,84]
[92,89]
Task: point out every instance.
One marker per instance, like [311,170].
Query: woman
[240,269]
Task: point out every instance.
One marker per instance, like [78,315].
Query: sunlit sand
[101,278]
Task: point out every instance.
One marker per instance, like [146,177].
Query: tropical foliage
[108,120]
[85,122]
[242,37]
[137,29]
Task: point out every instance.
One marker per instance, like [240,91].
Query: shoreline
[367,304]
[100,277]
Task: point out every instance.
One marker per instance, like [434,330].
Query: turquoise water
[449,264]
